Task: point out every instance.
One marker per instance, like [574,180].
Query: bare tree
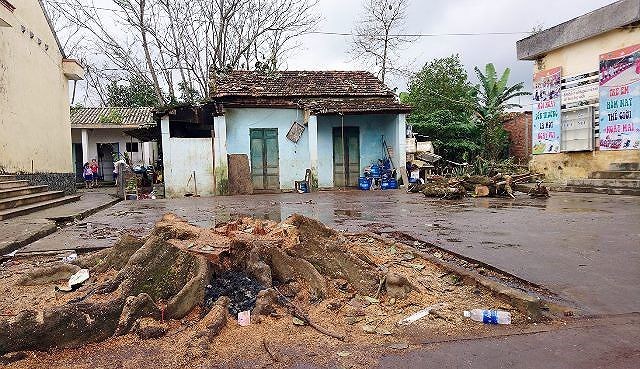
[377,35]
[171,43]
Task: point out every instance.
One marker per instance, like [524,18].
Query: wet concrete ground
[584,247]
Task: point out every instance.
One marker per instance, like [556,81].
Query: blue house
[279,125]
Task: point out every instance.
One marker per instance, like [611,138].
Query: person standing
[87,173]
[94,171]
[116,169]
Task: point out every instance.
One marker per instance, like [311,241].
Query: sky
[437,17]
[518,17]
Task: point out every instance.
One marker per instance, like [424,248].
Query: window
[132,147]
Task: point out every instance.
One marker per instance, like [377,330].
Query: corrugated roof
[116,116]
[298,84]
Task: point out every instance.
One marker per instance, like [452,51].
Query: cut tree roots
[190,282]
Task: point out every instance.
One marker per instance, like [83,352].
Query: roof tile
[299,84]
[125,116]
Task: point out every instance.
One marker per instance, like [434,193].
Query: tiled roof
[116,116]
[298,84]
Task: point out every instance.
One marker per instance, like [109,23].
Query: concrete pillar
[147,153]
[313,149]
[401,155]
[220,164]
[85,146]
[166,155]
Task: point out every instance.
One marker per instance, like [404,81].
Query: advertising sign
[546,111]
[581,93]
[620,99]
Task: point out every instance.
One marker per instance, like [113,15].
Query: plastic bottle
[489,316]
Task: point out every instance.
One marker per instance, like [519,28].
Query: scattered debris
[489,316]
[70,258]
[420,314]
[498,185]
[244,318]
[399,346]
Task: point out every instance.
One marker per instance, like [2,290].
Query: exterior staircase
[620,179]
[18,198]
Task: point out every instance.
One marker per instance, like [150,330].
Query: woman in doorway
[87,173]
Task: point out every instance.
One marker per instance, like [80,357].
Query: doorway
[105,159]
[346,156]
[265,167]
[77,161]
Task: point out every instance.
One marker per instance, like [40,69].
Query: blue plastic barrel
[364,183]
[375,171]
[389,184]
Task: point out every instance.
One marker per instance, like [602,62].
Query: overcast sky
[452,16]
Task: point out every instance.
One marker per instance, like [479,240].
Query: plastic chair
[305,185]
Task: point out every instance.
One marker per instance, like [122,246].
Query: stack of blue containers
[382,173]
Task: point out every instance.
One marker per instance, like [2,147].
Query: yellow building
[576,47]
[35,130]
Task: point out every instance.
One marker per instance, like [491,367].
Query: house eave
[614,16]
[105,126]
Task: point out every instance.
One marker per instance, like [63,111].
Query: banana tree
[493,98]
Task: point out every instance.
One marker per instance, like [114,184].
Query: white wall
[34,100]
[182,157]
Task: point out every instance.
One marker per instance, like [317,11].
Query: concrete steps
[30,208]
[16,201]
[615,183]
[599,190]
[5,185]
[616,174]
[17,197]
[20,191]
[624,166]
[620,179]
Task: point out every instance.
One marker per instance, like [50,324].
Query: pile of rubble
[186,286]
[498,185]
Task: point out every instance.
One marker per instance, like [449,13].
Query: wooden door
[265,168]
[346,156]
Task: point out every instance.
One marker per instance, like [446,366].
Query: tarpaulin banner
[620,99]
[546,111]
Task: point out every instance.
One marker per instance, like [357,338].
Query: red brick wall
[519,126]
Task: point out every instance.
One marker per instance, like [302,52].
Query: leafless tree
[378,37]
[178,43]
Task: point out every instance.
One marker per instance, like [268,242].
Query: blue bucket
[375,171]
[304,188]
[389,184]
[364,183]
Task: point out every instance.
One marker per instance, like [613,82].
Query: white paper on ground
[244,318]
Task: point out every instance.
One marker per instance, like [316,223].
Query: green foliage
[113,116]
[492,96]
[442,84]
[442,110]
[138,93]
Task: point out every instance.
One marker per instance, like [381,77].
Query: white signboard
[577,94]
